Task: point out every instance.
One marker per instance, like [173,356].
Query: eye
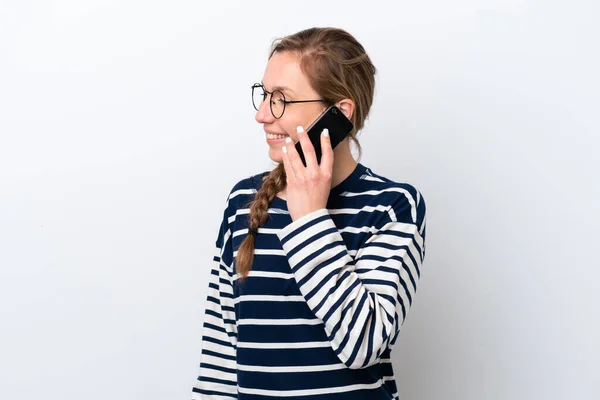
[278,97]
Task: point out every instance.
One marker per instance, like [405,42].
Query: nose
[263,115]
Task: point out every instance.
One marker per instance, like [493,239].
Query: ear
[347,107]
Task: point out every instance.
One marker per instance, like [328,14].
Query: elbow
[365,354]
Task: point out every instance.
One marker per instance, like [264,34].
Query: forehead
[283,70]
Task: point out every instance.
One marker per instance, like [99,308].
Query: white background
[124,124]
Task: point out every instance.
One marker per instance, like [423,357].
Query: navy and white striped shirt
[322,307]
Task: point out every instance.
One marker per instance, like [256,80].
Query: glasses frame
[285,102]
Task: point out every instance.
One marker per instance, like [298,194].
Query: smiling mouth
[275,137]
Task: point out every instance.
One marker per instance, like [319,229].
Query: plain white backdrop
[124,124]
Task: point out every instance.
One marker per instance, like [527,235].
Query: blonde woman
[316,265]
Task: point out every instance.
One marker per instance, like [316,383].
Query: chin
[275,155]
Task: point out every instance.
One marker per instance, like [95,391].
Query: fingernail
[326,132]
[284,149]
[288,139]
[299,129]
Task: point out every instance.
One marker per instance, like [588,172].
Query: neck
[343,162]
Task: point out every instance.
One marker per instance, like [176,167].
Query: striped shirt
[325,298]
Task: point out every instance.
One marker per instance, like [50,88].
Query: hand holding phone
[336,122]
[305,196]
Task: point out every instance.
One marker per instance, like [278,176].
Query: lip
[275,141]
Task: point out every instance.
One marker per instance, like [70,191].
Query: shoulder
[404,201]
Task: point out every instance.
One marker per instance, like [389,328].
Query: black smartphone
[336,122]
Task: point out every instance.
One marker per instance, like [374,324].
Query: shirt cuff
[305,236]
[301,224]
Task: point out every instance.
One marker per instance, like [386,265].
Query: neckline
[358,171]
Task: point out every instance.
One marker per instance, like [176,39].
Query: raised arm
[364,300]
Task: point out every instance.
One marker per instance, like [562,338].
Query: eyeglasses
[277,102]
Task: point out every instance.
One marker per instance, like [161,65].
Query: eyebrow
[279,87]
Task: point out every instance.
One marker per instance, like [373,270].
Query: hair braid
[272,183]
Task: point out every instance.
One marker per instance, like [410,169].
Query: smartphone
[336,122]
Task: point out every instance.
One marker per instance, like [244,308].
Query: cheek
[289,127]
[304,117]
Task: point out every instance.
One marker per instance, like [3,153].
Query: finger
[294,159]
[326,152]
[307,148]
[289,171]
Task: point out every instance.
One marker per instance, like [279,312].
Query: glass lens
[258,96]
[277,104]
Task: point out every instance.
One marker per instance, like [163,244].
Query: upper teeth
[271,136]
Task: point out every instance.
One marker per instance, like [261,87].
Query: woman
[315,266]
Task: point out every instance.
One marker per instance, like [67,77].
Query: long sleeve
[361,300]
[217,377]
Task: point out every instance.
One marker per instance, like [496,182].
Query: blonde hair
[337,67]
